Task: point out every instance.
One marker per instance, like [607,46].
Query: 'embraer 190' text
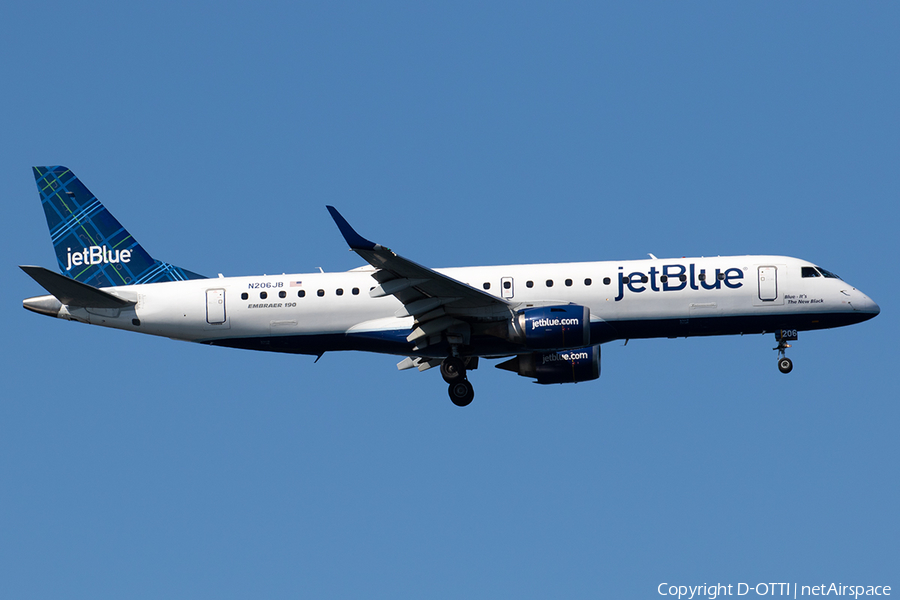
[96,255]
[672,278]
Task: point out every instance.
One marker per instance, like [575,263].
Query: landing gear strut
[782,337]
[453,370]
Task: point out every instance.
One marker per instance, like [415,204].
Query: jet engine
[552,327]
[569,366]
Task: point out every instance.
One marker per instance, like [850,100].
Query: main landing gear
[783,336]
[453,370]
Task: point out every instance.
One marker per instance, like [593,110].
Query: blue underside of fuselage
[394,341]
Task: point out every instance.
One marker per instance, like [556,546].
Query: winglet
[353,239]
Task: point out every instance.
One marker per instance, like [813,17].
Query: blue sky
[461,134]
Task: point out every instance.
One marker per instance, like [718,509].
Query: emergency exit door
[215,307]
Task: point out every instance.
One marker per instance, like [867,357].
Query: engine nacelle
[568,366]
[553,327]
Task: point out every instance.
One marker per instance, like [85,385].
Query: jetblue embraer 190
[547,320]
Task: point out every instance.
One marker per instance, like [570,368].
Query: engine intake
[553,327]
[569,366]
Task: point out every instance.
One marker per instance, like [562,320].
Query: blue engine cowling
[554,327]
[567,366]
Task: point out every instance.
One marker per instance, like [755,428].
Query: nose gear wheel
[784,363]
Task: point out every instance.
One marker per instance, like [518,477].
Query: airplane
[547,320]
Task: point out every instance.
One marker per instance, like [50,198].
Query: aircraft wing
[440,304]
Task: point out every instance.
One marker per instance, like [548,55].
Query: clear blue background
[462,134]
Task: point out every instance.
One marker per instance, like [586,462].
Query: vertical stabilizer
[91,245]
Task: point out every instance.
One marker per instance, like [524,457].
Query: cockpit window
[809,272]
[827,274]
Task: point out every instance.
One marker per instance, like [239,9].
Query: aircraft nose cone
[869,306]
[873,308]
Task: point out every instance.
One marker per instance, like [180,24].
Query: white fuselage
[312,313]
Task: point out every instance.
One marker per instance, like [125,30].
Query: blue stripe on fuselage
[394,341]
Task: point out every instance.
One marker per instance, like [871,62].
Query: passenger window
[721,276]
[244,296]
[529,284]
[507,285]
[702,277]
[549,283]
[606,281]
[644,279]
[568,283]
[625,280]
[808,272]
[282,294]
[587,281]
[301,293]
[339,292]
[263,295]
[355,291]
[486,286]
[320,293]
[682,278]
[663,278]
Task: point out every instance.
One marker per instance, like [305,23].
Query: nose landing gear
[783,336]
[784,364]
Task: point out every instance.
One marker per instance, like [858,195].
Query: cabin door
[768,284]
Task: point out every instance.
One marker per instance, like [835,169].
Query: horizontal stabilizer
[74,293]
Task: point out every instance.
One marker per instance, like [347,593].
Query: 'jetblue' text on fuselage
[677,277]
